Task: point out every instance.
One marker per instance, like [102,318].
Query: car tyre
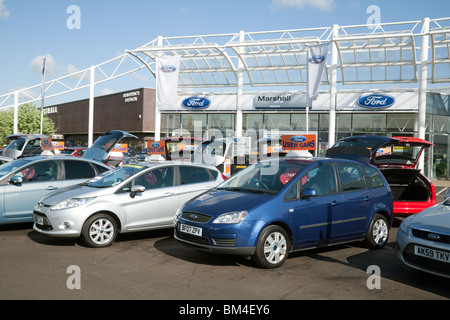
[272,248]
[99,231]
[378,232]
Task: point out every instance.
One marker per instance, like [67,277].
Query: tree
[29,121]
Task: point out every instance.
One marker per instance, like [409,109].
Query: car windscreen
[115,176]
[208,150]
[264,177]
[9,167]
[16,144]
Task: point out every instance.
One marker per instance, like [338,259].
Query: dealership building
[390,79]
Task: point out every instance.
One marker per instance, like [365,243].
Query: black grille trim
[423,234]
[196,217]
[192,238]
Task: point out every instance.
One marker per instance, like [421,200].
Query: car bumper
[407,245]
[225,240]
[57,223]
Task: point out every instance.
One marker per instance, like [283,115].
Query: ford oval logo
[376,101]
[433,236]
[196,103]
[168,68]
[155,145]
[316,59]
[298,139]
[193,216]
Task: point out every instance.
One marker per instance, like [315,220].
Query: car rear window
[352,177]
[373,177]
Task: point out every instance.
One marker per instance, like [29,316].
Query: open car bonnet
[384,151]
[105,143]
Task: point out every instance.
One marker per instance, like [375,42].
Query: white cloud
[323,5]
[52,67]
[4,12]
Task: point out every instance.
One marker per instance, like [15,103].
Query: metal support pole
[42,93]
[16,111]
[239,91]
[157,111]
[91,107]
[421,119]
[333,90]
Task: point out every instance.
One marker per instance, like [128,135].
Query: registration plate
[432,254]
[38,219]
[190,229]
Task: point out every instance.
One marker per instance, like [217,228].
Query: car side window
[321,178]
[292,194]
[192,174]
[157,178]
[78,170]
[374,178]
[39,171]
[351,177]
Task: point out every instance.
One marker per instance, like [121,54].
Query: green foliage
[29,121]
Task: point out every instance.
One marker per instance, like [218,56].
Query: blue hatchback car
[277,206]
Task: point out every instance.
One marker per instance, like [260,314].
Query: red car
[397,158]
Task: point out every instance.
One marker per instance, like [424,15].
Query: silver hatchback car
[134,197]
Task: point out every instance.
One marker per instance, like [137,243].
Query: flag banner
[317,57]
[167,80]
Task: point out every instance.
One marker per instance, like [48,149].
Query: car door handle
[51,188]
[168,194]
[334,203]
[366,198]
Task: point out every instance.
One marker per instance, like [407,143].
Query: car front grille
[192,238]
[46,226]
[439,266]
[433,236]
[196,217]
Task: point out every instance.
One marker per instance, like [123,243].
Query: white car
[423,240]
[134,197]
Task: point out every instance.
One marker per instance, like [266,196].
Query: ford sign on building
[376,101]
[196,103]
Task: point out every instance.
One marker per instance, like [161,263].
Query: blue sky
[30,29]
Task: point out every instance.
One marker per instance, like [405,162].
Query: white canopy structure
[389,53]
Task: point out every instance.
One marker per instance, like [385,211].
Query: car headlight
[231,217]
[405,225]
[71,203]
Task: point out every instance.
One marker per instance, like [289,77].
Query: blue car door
[356,202]
[316,214]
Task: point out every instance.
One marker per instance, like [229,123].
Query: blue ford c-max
[277,206]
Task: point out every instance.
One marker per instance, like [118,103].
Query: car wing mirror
[136,189]
[308,193]
[16,180]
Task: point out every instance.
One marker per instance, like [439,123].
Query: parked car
[177,148]
[397,158]
[134,197]
[229,155]
[23,182]
[22,145]
[423,240]
[274,207]
[74,151]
